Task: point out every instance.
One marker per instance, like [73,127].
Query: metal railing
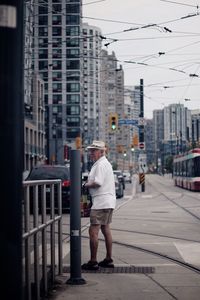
[42,237]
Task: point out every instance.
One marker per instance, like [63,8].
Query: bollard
[142,181]
[75,220]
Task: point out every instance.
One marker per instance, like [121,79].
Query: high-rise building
[91,82]
[195,139]
[34,131]
[57,59]
[158,135]
[112,102]
[177,128]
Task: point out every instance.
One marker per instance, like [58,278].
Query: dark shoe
[106,263]
[90,265]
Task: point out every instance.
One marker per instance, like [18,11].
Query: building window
[73,76]
[43,43]
[73,121]
[73,87]
[75,98]
[72,133]
[56,109]
[72,30]
[72,19]
[57,98]
[43,64]
[43,20]
[46,87]
[56,31]
[43,53]
[57,64]
[73,8]
[46,99]
[57,76]
[56,20]
[56,8]
[43,31]
[43,10]
[56,42]
[44,76]
[72,53]
[57,53]
[72,1]
[57,87]
[73,64]
[72,42]
[73,110]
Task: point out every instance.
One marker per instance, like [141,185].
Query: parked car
[127,177]
[120,177]
[118,187]
[47,172]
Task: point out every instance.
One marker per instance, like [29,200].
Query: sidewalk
[141,276]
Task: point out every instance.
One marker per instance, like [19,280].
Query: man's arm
[92,184]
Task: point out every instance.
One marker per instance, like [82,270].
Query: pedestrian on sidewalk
[101,186]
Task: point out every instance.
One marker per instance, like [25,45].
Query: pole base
[143,187]
[76,281]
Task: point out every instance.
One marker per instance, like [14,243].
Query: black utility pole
[12,144]
[141,132]
[75,219]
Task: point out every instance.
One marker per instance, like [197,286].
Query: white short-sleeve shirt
[102,173]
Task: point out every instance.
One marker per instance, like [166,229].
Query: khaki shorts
[101,216]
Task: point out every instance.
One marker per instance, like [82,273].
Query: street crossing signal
[113,121]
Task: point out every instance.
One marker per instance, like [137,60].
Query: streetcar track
[175,203]
[155,253]
[153,220]
[161,286]
[185,209]
[155,234]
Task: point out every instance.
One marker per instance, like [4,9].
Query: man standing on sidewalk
[101,186]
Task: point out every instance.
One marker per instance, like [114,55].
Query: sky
[154,40]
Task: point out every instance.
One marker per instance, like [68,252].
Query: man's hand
[84,189]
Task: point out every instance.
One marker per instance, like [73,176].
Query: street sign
[143,163]
[141,121]
[128,122]
[141,145]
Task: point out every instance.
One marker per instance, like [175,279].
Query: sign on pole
[128,122]
[143,163]
[142,145]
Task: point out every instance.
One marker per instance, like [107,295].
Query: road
[164,218]
[158,230]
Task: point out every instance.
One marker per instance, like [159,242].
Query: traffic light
[113,121]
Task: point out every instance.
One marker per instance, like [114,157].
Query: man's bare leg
[94,242]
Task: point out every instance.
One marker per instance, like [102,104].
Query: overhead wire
[140,63]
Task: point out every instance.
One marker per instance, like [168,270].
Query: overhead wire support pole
[12,146]
[141,130]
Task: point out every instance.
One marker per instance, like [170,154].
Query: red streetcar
[186,170]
